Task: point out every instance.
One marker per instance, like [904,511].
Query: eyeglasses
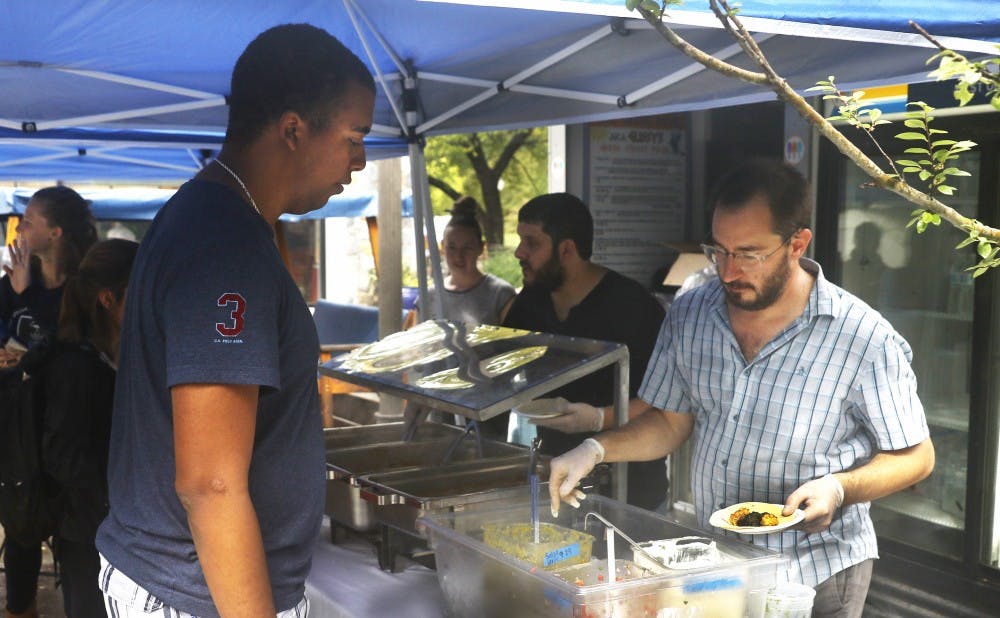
[743,261]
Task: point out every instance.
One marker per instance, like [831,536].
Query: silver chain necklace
[242,186]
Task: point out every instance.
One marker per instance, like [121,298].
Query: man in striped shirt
[792,390]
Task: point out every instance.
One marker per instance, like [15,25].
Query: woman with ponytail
[79,380]
[470,296]
[55,232]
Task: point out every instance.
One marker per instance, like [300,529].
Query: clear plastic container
[479,580]
[557,546]
[789,600]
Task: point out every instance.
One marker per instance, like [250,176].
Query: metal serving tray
[402,363]
[345,466]
[363,435]
[404,495]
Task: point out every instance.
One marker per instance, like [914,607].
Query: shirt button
[722,505]
[725,462]
[736,417]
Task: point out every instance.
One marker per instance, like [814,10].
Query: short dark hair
[562,216]
[785,189]
[293,67]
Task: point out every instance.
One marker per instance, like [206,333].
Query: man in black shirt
[567,294]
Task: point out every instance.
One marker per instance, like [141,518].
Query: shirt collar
[823,299]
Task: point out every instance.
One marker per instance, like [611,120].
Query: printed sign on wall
[637,193]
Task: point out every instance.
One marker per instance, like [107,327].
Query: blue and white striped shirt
[828,393]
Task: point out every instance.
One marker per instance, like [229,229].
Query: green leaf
[965,243]
[924,174]
[945,189]
[917,151]
[942,142]
[984,250]
[979,271]
[631,4]
[935,131]
[954,171]
[908,163]
[911,170]
[963,93]
[910,135]
[915,123]
[651,6]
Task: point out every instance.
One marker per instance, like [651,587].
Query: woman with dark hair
[56,230]
[470,296]
[79,379]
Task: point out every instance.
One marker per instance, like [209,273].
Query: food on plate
[747,518]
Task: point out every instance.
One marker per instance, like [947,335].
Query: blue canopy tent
[142,204]
[124,155]
[449,66]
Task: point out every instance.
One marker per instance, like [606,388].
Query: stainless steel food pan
[404,495]
[344,503]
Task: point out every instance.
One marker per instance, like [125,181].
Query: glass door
[919,283]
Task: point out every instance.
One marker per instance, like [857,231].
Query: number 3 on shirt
[239,305]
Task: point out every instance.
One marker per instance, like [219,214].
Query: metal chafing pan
[404,495]
[347,437]
[345,466]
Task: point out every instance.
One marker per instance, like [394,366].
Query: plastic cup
[789,600]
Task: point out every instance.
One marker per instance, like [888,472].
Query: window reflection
[919,282]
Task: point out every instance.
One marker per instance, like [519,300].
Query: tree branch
[698,55]
[443,186]
[984,75]
[509,150]
[779,86]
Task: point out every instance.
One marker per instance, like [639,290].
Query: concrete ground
[50,603]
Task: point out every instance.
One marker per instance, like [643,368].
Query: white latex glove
[579,417]
[566,470]
[821,497]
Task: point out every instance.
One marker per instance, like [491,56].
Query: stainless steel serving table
[346,582]
[481,372]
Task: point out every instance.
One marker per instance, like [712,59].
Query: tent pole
[692,69]
[351,7]
[519,77]
[129,114]
[417,161]
[422,205]
[432,243]
[390,270]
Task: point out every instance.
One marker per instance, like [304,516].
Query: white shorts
[123,598]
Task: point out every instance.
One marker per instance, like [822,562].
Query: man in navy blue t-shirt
[216,467]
